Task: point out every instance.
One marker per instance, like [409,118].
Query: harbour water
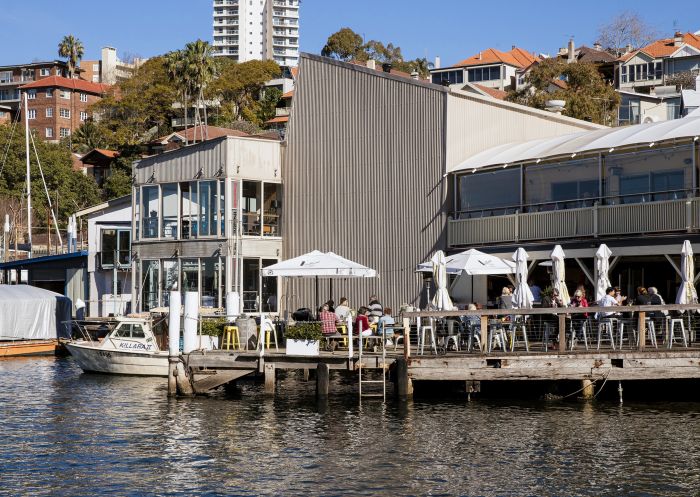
[64,433]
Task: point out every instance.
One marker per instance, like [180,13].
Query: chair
[497,332]
[232,338]
[584,332]
[606,325]
[430,328]
[269,329]
[519,326]
[549,331]
[651,332]
[672,331]
[343,330]
[452,335]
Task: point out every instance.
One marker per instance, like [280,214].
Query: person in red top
[362,322]
[327,319]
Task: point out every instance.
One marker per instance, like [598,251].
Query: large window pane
[210,281]
[269,289]
[169,192]
[220,218]
[207,208]
[124,247]
[150,211]
[149,276]
[188,209]
[169,279]
[565,185]
[251,286]
[137,211]
[661,174]
[490,193]
[251,207]
[108,247]
[190,275]
[272,209]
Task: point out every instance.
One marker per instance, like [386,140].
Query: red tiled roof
[70,83]
[516,57]
[664,47]
[108,153]
[280,119]
[289,94]
[209,131]
[560,83]
[493,92]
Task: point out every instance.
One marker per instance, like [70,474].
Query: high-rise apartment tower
[257,29]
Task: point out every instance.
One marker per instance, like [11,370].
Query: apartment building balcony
[224,3]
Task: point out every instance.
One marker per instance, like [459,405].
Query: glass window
[269,289]
[137,331]
[137,211]
[207,208]
[149,276]
[190,275]
[150,211]
[251,207]
[490,193]
[220,216]
[124,247]
[169,209]
[109,247]
[188,209]
[115,243]
[169,280]
[644,176]
[272,209]
[565,185]
[251,285]
[210,281]
[123,331]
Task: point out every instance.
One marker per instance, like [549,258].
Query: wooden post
[406,338]
[270,378]
[322,380]
[184,387]
[403,382]
[306,374]
[172,376]
[587,389]
[642,327]
[484,333]
[562,332]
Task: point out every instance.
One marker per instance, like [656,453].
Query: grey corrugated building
[365,172]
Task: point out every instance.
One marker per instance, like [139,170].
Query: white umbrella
[522,296]
[558,274]
[472,262]
[602,265]
[441,300]
[687,293]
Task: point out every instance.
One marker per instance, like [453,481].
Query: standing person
[376,309]
[362,322]
[342,310]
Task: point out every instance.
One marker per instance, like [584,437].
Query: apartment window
[83,116]
[64,113]
[32,113]
[45,72]
[65,132]
[476,192]
[95,78]
[150,211]
[49,93]
[49,132]
[65,94]
[83,97]
[116,245]
[31,94]
[169,210]
[451,77]
[95,67]
[6,77]
[49,111]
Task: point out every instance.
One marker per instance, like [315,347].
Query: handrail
[554,310]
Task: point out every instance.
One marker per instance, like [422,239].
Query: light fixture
[538,161]
[199,173]
[238,169]
[152,179]
[473,171]
[276,174]
[505,166]
[696,138]
[220,172]
[611,150]
[573,155]
[651,144]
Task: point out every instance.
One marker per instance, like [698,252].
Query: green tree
[267,104]
[587,95]
[422,66]
[72,49]
[345,45]
[87,137]
[117,184]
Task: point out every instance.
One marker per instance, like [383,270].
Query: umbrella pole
[316,310]
[330,288]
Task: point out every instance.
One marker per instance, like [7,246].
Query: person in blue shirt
[536,292]
[384,321]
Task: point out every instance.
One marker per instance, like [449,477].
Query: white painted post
[174,324]
[261,335]
[191,321]
[233,306]
[348,320]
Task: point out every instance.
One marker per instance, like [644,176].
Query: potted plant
[303,338]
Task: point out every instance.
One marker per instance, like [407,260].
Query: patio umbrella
[686,292]
[522,296]
[602,266]
[472,262]
[441,300]
[558,274]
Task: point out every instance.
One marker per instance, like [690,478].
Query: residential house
[193,134]
[57,106]
[98,163]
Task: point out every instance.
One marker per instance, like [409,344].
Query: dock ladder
[377,365]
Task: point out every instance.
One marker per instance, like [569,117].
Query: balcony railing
[597,220]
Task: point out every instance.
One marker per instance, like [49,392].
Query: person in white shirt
[608,300]
[342,310]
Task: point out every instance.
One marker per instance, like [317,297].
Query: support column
[587,391]
[269,378]
[173,341]
[562,332]
[642,327]
[322,380]
[184,387]
[404,386]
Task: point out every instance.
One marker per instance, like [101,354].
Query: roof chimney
[371,64]
[628,48]
[597,46]
[437,62]
[386,67]
[570,55]
[415,75]
[677,39]
[479,57]
[512,47]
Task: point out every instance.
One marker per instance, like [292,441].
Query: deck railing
[547,330]
[595,221]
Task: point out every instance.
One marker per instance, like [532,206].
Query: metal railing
[598,220]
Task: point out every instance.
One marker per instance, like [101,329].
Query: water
[64,433]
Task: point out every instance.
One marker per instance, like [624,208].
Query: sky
[451,29]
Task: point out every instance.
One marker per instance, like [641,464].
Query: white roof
[691,98]
[583,142]
[472,262]
[325,265]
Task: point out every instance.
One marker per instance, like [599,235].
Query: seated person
[609,300]
[375,309]
[327,319]
[386,320]
[342,310]
[362,322]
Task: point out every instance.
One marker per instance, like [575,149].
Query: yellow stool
[343,329]
[267,337]
[232,338]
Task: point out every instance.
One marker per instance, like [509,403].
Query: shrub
[213,327]
[304,330]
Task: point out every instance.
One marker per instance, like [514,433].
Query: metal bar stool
[606,325]
[672,331]
[421,337]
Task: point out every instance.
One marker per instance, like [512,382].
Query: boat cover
[31,313]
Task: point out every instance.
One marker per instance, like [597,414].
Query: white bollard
[174,324]
[233,306]
[191,322]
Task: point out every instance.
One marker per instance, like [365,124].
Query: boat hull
[26,348]
[93,359]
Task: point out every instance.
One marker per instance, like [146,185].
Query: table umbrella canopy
[320,264]
[472,262]
[522,295]
[559,274]
[602,266]
[686,292]
[441,300]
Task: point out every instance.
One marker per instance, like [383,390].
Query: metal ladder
[383,367]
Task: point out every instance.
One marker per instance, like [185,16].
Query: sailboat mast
[29,184]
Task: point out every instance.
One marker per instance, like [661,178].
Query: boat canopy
[31,313]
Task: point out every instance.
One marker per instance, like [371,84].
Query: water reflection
[64,433]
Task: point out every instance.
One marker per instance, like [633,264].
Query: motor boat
[130,348]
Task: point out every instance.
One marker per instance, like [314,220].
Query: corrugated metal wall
[363,178]
[183,164]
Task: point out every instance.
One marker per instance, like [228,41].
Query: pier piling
[269,378]
[322,380]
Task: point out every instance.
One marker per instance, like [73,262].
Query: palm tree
[72,49]
[175,62]
[201,68]
[422,66]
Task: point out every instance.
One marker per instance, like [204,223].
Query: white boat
[130,348]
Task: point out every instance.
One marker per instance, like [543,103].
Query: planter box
[302,347]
